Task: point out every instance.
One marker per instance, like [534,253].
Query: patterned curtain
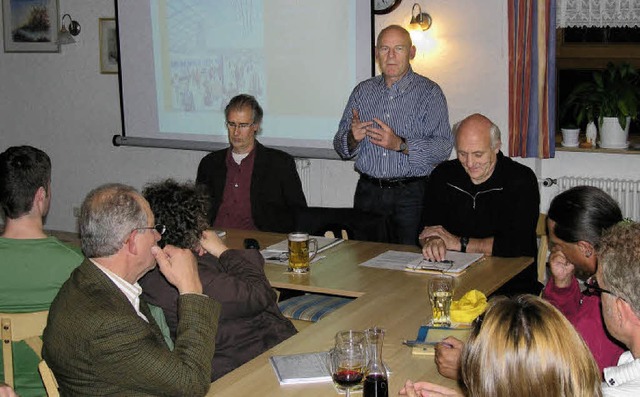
[532,83]
[598,13]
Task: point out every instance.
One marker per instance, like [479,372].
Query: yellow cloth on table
[470,306]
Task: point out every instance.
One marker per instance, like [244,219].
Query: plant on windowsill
[612,98]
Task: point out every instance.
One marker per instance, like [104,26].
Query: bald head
[395,28]
[479,124]
[477,146]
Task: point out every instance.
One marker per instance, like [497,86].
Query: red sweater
[584,312]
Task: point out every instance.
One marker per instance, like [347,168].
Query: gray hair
[242,101]
[619,257]
[108,215]
[494,131]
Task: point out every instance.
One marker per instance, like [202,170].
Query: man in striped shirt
[396,126]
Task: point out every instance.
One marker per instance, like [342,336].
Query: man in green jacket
[100,337]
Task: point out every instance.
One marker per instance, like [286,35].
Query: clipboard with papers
[455,264]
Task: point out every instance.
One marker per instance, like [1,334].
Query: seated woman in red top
[250,322]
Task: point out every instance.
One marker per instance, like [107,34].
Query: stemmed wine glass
[347,362]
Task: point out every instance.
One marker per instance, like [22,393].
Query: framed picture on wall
[30,25]
[108,46]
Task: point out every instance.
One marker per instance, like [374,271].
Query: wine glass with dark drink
[347,362]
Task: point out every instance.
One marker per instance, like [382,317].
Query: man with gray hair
[617,281]
[482,202]
[100,337]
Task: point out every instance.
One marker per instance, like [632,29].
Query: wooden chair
[16,327]
[49,380]
[543,247]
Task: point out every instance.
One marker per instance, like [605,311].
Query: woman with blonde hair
[521,347]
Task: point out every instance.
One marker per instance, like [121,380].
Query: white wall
[62,104]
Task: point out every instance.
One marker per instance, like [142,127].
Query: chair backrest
[543,247]
[49,380]
[15,327]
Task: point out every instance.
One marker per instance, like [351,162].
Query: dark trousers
[402,204]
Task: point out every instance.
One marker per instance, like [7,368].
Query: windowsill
[634,147]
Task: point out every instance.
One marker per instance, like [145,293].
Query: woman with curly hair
[521,347]
[250,322]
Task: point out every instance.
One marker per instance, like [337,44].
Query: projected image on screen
[204,72]
[300,59]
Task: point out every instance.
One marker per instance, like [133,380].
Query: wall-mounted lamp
[419,20]
[65,36]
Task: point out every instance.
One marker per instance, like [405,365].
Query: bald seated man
[483,202]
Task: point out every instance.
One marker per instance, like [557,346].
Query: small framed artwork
[30,25]
[108,46]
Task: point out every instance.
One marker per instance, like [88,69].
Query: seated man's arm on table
[239,283]
[436,240]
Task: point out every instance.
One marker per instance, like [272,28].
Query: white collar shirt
[623,380]
[131,291]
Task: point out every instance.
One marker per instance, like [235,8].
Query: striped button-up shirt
[416,109]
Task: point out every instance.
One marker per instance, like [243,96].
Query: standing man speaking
[397,127]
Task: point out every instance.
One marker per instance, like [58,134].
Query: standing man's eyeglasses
[242,126]
[158,228]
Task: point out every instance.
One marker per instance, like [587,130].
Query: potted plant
[613,97]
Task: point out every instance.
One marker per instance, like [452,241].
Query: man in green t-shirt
[33,265]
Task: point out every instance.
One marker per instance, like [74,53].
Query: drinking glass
[440,289]
[348,359]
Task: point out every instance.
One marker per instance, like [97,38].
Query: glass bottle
[375,382]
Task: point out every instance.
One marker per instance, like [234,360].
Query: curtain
[532,83]
[598,13]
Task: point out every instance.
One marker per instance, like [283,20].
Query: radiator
[625,192]
[304,170]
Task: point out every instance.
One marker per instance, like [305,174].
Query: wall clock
[385,6]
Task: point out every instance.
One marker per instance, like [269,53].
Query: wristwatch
[403,146]
[464,241]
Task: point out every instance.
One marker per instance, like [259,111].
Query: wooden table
[393,300]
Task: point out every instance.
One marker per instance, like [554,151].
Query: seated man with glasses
[251,186]
[617,280]
[101,338]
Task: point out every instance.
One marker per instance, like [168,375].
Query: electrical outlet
[76,212]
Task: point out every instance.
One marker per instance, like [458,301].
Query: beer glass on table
[299,256]
[440,289]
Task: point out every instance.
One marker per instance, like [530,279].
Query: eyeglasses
[242,126]
[594,289]
[158,228]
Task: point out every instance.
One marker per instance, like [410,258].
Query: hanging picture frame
[108,46]
[30,25]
